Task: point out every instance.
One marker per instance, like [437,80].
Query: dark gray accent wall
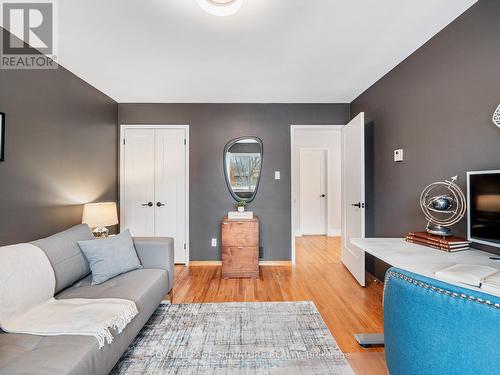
[211,127]
[437,105]
[60,151]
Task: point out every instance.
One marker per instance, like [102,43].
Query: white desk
[419,259]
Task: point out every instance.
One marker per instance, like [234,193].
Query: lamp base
[100,232]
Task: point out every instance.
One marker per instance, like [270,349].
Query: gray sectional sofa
[147,287]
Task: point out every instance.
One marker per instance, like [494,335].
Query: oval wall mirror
[243,167]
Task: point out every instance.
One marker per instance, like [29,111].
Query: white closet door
[139,182]
[313,192]
[170,188]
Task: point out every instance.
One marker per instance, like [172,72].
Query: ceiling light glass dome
[221,8]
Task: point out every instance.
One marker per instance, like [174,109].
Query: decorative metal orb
[443,204]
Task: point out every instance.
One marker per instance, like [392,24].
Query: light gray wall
[436,105]
[60,151]
[211,127]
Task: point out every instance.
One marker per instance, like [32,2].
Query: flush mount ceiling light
[221,8]
[496,117]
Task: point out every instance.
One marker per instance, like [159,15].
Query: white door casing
[154,167]
[353,194]
[313,189]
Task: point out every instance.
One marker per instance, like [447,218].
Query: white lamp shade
[100,214]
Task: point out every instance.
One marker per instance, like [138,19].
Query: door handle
[323,195]
[149,204]
[159,204]
[359,205]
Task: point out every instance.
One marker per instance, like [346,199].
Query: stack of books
[450,243]
[484,277]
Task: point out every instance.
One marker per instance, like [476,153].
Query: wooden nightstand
[240,248]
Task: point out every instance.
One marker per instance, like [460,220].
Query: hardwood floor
[318,276]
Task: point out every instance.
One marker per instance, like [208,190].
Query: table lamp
[98,216]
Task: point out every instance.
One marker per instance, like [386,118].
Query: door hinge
[184,141]
[185,247]
[124,141]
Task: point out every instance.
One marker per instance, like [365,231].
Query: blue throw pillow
[111,256]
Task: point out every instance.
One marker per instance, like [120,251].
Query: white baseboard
[334,232]
[331,233]
[198,263]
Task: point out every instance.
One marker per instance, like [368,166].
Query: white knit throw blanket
[27,303]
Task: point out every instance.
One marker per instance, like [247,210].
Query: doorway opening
[316,161]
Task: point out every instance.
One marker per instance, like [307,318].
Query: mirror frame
[224,162]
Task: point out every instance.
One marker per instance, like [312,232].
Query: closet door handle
[359,205]
[159,204]
[149,204]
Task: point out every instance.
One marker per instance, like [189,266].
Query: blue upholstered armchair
[432,327]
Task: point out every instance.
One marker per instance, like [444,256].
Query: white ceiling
[272,51]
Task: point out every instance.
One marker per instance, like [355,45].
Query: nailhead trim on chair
[439,290]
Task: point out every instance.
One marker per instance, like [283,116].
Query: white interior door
[138,182]
[313,187]
[353,195]
[170,188]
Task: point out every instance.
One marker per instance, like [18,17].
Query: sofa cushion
[79,355]
[65,255]
[133,285]
[111,256]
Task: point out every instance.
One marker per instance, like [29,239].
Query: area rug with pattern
[235,338]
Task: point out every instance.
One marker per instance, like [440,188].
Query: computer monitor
[483,214]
